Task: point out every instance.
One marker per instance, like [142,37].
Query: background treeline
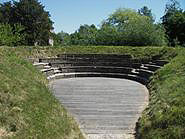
[132,28]
[24,22]
[123,27]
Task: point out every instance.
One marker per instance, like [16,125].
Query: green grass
[165,116]
[136,52]
[27,107]
[29,110]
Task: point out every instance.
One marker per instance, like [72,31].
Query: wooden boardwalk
[105,108]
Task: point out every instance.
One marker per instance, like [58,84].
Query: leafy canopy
[136,29]
[30,14]
[174,23]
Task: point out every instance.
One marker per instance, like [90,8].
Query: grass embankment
[136,52]
[165,116]
[27,107]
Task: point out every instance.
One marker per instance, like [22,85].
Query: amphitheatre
[103,107]
[85,70]
[104,92]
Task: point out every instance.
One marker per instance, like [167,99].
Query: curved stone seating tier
[96,64]
[96,74]
[99,69]
[99,65]
[95,56]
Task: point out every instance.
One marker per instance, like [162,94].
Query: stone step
[40,65]
[100,129]
[107,132]
[49,69]
[102,107]
[160,62]
[150,67]
[63,64]
[95,74]
[100,69]
[111,136]
[95,56]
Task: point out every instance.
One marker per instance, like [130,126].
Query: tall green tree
[174,23]
[6,13]
[135,29]
[32,15]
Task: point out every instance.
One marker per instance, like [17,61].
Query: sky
[68,15]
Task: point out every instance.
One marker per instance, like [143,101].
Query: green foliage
[108,35]
[6,12]
[61,38]
[146,12]
[31,15]
[28,108]
[11,35]
[165,116]
[85,35]
[123,27]
[174,23]
[135,29]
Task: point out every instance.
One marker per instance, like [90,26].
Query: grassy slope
[27,108]
[165,116]
[136,52]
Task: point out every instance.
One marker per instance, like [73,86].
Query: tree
[174,23]
[37,23]
[62,38]
[146,12]
[135,29]
[32,16]
[6,13]
[85,35]
[108,35]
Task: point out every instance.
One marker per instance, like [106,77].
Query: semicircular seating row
[99,65]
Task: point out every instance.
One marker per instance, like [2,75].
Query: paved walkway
[105,108]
